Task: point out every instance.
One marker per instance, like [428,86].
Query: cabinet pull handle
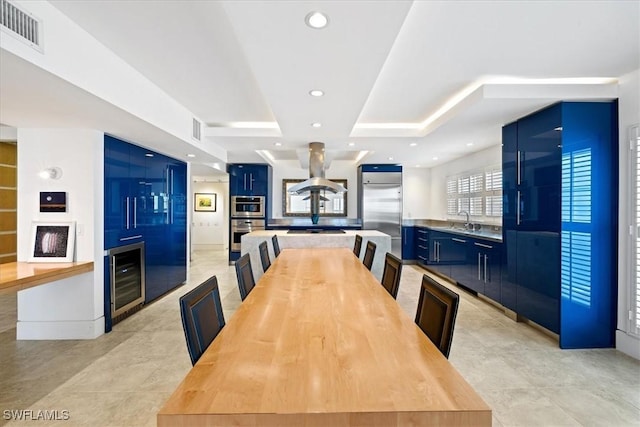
[135,212]
[482,245]
[458,240]
[479,256]
[438,251]
[137,236]
[518,208]
[128,223]
[485,268]
[518,162]
[245,181]
[251,182]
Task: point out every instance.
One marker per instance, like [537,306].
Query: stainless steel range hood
[316,182]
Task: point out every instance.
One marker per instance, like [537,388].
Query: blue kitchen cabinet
[249,179]
[408,242]
[458,259]
[484,265]
[145,201]
[422,245]
[560,197]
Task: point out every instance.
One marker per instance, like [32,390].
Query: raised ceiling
[442,75]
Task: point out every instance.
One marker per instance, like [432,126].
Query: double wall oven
[247,215]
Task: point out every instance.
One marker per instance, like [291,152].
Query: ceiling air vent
[21,24]
[197,129]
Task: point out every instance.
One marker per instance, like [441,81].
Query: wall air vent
[197,129]
[21,24]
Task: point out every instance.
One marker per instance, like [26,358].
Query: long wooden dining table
[319,342]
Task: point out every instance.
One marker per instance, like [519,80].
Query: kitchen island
[303,223]
[312,239]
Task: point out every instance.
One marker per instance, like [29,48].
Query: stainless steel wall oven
[243,226]
[127,277]
[247,206]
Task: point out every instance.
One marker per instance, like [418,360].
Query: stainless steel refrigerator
[380,205]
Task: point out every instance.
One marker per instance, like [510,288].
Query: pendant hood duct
[316,182]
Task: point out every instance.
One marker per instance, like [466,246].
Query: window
[576,228]
[479,193]
[634,137]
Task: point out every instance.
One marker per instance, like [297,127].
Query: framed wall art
[205,202]
[52,241]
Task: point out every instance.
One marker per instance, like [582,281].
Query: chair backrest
[369,253]
[436,314]
[245,275]
[264,255]
[202,317]
[391,274]
[276,245]
[357,247]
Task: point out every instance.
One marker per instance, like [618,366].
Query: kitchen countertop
[487,231]
[16,276]
[304,222]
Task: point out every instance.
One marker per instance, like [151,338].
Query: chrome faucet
[467,223]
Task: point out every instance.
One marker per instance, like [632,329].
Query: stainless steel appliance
[240,227]
[381,205]
[127,277]
[247,206]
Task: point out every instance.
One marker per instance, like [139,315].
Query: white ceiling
[392,63]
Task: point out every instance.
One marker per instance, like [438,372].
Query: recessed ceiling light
[316,125]
[469,144]
[277,144]
[390,158]
[435,158]
[317,20]
[413,144]
[417,166]
[351,144]
[316,92]
[191,155]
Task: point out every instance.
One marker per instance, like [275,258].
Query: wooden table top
[320,342]
[16,276]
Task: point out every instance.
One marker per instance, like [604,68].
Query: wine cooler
[127,279]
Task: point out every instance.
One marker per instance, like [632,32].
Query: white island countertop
[250,242]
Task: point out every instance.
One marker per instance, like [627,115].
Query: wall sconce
[50,173]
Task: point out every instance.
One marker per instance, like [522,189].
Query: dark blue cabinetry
[559,226]
[483,272]
[422,245]
[146,201]
[408,242]
[249,179]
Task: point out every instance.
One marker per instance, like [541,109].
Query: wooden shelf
[17,276]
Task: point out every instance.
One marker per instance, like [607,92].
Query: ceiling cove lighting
[316,92]
[191,155]
[316,125]
[316,20]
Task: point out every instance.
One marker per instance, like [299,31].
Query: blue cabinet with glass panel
[559,220]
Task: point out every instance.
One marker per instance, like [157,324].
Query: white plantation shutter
[452,196]
[635,261]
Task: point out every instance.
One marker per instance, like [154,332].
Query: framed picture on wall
[205,202]
[52,241]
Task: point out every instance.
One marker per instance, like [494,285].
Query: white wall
[338,169]
[416,193]
[80,155]
[211,228]
[629,114]
[477,161]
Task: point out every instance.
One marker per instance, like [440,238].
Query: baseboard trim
[64,330]
[628,344]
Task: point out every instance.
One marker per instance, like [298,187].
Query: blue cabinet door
[408,242]
[177,224]
[509,279]
[486,260]
[459,259]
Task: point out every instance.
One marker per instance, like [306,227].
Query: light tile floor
[124,377]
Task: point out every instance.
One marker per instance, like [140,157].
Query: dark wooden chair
[436,314]
[369,253]
[264,256]
[202,317]
[245,276]
[391,274]
[357,247]
[276,245]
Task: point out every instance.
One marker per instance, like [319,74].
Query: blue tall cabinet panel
[145,201]
[408,242]
[559,223]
